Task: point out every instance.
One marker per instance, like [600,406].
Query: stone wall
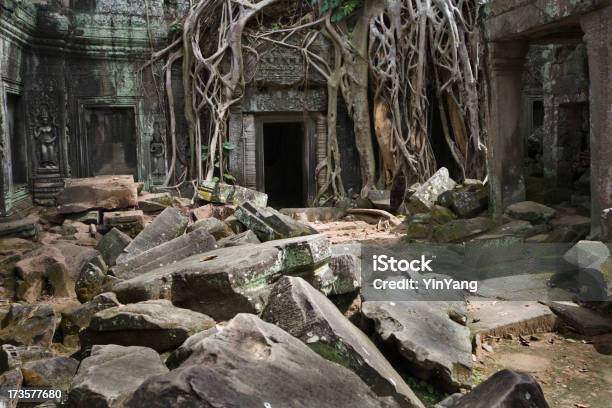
[67,57]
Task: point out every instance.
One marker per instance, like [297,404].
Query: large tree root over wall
[387,57]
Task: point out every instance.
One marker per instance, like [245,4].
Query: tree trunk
[355,93]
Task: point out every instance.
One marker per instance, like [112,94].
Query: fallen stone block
[54,372]
[108,377]
[102,192]
[305,313]
[531,211]
[426,194]
[196,242]
[235,225]
[575,227]
[93,280]
[76,319]
[227,281]
[156,324]
[320,214]
[518,318]
[592,273]
[60,282]
[112,245]
[27,325]
[165,227]
[462,229]
[466,201]
[276,370]
[269,224]
[154,202]
[587,253]
[344,271]
[220,212]
[12,357]
[381,199]
[247,237]
[10,380]
[504,389]
[87,217]
[130,222]
[442,215]
[409,328]
[213,226]
[21,228]
[585,321]
[521,229]
[178,356]
[32,271]
[221,193]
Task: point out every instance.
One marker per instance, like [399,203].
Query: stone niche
[280,126]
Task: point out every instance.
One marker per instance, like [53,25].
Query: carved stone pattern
[250,151]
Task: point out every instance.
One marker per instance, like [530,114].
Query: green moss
[478,376]
[426,392]
[442,215]
[336,353]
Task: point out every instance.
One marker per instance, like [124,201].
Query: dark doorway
[439,144]
[111,141]
[19,158]
[283,164]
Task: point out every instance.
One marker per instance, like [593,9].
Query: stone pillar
[249,143]
[321,140]
[505,155]
[235,136]
[597,27]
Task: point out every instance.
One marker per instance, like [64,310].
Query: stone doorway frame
[13,195]
[308,146]
[124,102]
[508,34]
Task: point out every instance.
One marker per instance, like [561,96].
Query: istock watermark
[385,263]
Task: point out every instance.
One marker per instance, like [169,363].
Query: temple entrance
[111,141]
[19,158]
[283,164]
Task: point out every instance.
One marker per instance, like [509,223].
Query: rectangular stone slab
[165,227]
[227,281]
[269,224]
[102,192]
[222,193]
[22,228]
[499,318]
[196,242]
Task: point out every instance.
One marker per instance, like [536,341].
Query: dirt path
[574,371]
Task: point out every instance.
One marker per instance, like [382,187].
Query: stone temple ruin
[121,288]
[566,92]
[74,104]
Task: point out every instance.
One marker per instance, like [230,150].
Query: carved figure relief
[45,135]
[158,152]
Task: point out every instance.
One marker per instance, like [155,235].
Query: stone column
[235,136]
[321,138]
[505,156]
[597,27]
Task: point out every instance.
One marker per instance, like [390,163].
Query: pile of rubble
[441,210]
[231,303]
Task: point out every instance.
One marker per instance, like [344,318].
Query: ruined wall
[566,92]
[280,86]
[17,22]
[72,58]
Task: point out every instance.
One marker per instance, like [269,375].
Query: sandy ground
[574,371]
